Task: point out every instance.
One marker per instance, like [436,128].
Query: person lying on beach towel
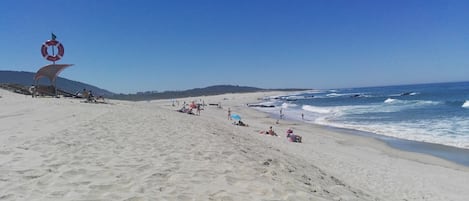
[269,132]
[292,137]
[186,110]
[240,123]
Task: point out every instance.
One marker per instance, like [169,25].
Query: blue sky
[127,46]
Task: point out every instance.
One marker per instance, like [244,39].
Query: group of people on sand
[192,106]
[238,122]
[89,96]
[289,134]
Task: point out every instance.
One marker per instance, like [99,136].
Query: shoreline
[453,157]
[453,154]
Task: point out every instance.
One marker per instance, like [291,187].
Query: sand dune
[62,149]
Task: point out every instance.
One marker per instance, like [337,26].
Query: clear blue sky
[133,45]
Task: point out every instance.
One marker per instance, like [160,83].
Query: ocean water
[435,113]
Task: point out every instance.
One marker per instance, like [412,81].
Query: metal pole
[53,52]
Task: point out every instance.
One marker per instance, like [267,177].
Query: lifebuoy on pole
[45,53]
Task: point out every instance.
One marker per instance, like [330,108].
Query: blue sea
[435,113]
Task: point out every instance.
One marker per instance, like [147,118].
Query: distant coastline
[70,86]
[207,91]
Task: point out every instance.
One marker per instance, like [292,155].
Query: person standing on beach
[32,90]
[229,114]
[281,114]
[302,116]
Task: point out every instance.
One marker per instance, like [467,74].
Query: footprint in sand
[135,199]
[102,187]
[73,173]
[5,152]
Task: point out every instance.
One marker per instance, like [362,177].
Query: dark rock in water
[355,96]
[406,94]
[258,105]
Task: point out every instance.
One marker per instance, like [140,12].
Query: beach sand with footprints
[64,149]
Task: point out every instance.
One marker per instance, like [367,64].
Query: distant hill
[207,91]
[26,79]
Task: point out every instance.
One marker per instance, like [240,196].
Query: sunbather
[185,110]
[292,137]
[240,123]
[269,132]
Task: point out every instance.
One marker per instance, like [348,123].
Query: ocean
[435,113]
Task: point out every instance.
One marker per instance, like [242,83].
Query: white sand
[62,149]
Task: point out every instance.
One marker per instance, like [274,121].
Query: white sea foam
[267,103]
[390,100]
[415,103]
[466,104]
[292,98]
[433,131]
[338,94]
[333,95]
[321,110]
[288,105]
[448,131]
[390,105]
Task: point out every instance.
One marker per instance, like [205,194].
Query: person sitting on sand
[91,97]
[185,110]
[292,137]
[271,132]
[84,94]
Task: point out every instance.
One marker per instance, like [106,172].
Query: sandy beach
[64,149]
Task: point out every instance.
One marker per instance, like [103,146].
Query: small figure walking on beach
[281,114]
[302,116]
[229,114]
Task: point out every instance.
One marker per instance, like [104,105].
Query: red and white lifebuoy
[60,50]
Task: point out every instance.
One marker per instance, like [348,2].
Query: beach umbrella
[236,117]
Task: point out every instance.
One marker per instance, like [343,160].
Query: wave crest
[287,105]
[314,109]
[466,104]
[390,100]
